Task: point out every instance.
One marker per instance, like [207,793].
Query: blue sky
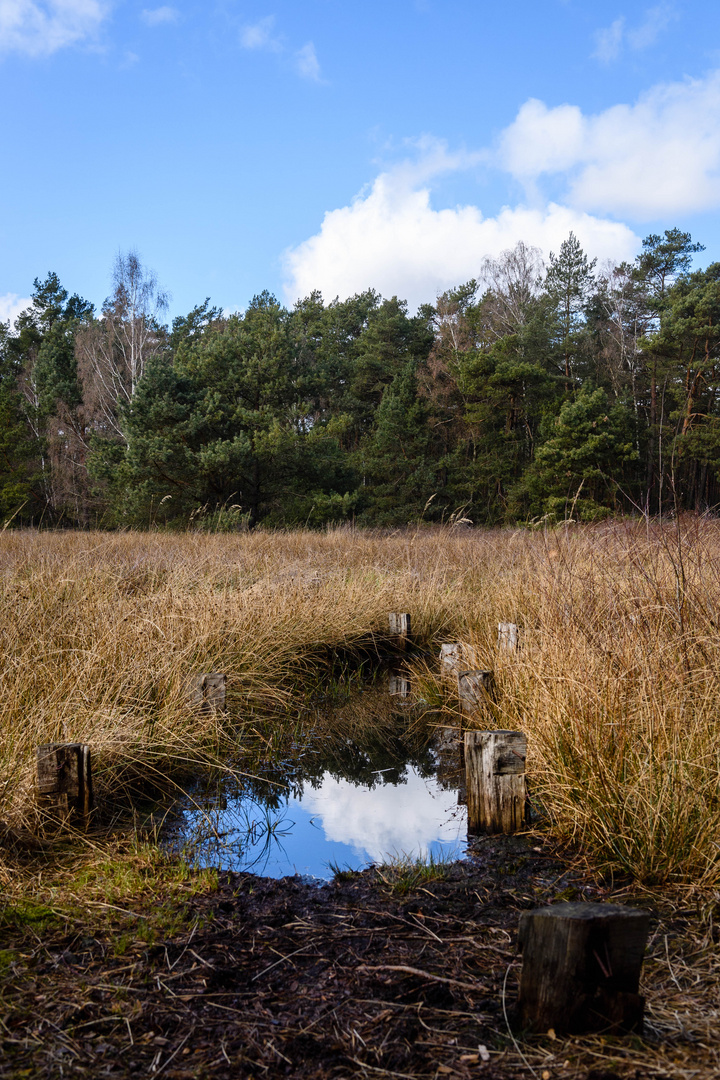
[337,145]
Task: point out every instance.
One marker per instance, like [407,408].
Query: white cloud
[307,62]
[390,238]
[656,20]
[259,35]
[389,820]
[656,157]
[39,28]
[609,42]
[11,305]
[160,16]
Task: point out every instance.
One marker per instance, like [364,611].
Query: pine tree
[569,281]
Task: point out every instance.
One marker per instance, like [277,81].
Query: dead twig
[406,970]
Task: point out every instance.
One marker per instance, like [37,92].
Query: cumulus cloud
[658,156]
[388,820]
[159,16]
[260,35]
[11,305]
[307,62]
[612,40]
[38,28]
[391,238]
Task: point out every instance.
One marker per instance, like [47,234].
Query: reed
[616,684]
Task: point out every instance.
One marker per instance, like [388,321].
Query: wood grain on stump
[508,636]
[581,967]
[495,779]
[399,622]
[64,779]
[476,691]
[207,692]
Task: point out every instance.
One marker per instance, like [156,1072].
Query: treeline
[559,390]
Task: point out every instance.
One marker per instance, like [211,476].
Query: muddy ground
[368,976]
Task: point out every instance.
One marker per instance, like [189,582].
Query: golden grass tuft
[616,685]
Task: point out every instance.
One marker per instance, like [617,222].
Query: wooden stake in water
[495,779]
[207,692]
[64,780]
[399,684]
[581,967]
[508,636]
[476,690]
[399,628]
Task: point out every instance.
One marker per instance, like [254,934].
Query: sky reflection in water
[334,822]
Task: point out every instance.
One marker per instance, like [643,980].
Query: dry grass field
[616,685]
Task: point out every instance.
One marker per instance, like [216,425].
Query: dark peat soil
[285,978]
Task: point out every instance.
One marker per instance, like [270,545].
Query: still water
[314,801]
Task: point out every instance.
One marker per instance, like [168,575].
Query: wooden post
[508,636]
[495,778]
[399,684]
[457,656]
[450,656]
[581,967]
[399,629]
[206,693]
[64,779]
[475,690]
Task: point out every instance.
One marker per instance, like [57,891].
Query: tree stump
[399,629]
[64,780]
[476,690]
[495,779]
[508,637]
[457,656]
[206,693]
[581,968]
[450,656]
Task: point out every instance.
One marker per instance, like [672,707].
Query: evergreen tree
[661,261]
[569,281]
[579,469]
[19,479]
[688,344]
[398,473]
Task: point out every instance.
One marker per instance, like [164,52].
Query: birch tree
[114,351]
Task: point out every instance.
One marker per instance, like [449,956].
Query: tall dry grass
[616,685]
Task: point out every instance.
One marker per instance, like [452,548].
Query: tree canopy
[530,392]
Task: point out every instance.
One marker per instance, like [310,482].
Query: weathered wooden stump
[581,967]
[399,629]
[64,780]
[206,692]
[399,684]
[476,690]
[457,656]
[450,656]
[495,779]
[508,637]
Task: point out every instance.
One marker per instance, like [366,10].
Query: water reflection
[357,785]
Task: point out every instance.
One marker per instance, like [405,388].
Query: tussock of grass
[405,873]
[616,685]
